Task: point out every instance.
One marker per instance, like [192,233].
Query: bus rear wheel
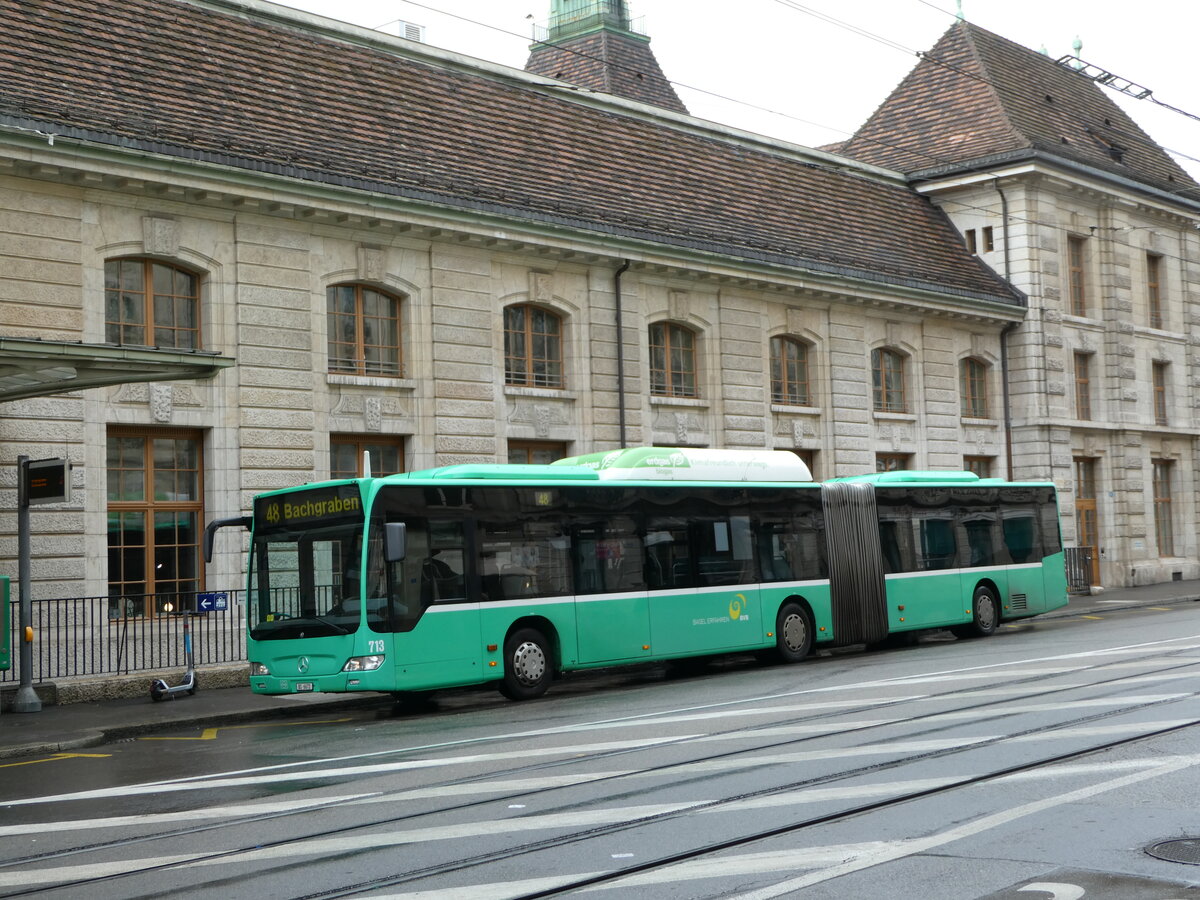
[793,633]
[527,669]
[985,615]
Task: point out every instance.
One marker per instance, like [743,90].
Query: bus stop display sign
[47,481]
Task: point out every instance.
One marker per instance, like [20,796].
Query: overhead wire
[825,17]
[862,32]
[687,87]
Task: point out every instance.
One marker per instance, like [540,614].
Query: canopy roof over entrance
[33,368]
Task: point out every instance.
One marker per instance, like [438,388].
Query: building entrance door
[1087,521]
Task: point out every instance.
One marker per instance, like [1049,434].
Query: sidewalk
[77,726]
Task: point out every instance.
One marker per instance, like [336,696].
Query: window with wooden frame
[969,236]
[887,374]
[972,382]
[346,455]
[1083,386]
[151,303]
[364,331]
[1153,296]
[809,457]
[155,520]
[672,360]
[1158,377]
[533,347]
[891,462]
[789,372]
[536,452]
[980,465]
[1076,280]
[1164,531]
[988,235]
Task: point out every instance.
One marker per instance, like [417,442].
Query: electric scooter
[159,688]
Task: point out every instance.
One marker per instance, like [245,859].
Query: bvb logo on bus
[735,607]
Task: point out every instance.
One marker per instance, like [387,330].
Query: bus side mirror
[217,524]
[394,541]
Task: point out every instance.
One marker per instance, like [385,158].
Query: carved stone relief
[541,415]
[367,411]
[160,236]
[371,265]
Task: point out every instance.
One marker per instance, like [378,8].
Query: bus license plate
[304,685]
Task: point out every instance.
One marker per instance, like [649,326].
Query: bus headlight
[363,663]
[259,669]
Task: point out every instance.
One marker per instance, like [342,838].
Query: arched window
[151,304]
[532,347]
[364,331]
[972,382]
[672,360]
[887,373]
[789,372]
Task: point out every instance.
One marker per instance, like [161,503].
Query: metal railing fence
[1079,569]
[88,636]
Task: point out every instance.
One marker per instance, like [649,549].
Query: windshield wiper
[341,629]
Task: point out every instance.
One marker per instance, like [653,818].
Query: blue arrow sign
[217,601]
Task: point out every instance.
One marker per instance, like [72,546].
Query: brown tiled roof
[194,82]
[978,98]
[610,62]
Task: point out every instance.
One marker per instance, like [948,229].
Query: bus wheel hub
[529,663]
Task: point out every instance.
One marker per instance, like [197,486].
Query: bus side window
[723,551]
[772,553]
[1020,534]
[938,549]
[895,530]
[668,554]
[528,557]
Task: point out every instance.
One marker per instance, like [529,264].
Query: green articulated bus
[467,574]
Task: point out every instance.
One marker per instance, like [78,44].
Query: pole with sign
[38,481]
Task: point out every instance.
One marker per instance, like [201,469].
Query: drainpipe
[620,352]
[1004,333]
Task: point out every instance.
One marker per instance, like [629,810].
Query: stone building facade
[440,260]
[1058,189]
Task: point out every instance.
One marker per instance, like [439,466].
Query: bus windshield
[306,565]
[308,584]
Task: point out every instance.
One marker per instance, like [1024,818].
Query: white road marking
[348,771]
[967,829]
[1011,669]
[747,864]
[190,815]
[1103,730]
[988,713]
[843,860]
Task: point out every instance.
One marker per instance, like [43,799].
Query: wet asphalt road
[1040,762]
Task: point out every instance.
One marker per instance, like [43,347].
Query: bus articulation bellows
[467,574]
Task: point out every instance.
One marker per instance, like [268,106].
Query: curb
[122,732]
[1064,611]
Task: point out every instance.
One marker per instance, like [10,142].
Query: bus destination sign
[315,507]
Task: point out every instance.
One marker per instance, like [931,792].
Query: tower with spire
[594,44]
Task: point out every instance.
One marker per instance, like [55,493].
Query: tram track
[809,718]
[733,843]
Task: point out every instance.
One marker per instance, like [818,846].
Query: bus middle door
[706,598]
[612,608]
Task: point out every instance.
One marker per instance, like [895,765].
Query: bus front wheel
[985,615]
[527,669]
[793,633]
